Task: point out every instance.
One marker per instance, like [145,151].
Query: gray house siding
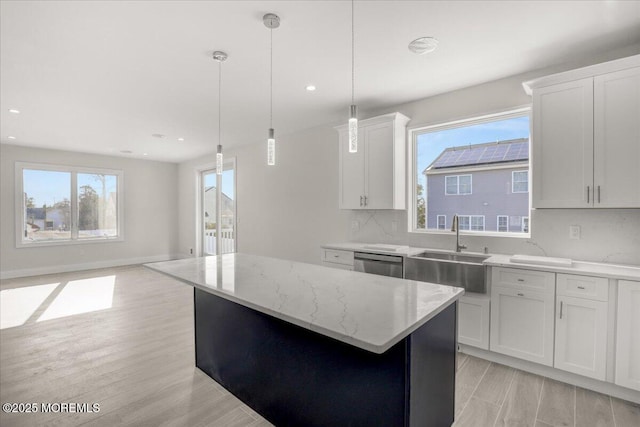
[491,195]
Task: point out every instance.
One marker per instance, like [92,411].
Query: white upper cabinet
[374,176]
[562,147]
[586,137]
[616,139]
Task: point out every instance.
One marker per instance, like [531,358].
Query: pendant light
[353,110]
[220,57]
[271,21]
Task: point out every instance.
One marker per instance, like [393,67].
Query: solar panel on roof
[483,154]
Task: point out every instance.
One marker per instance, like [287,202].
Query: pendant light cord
[353,73]
[271,81]
[219,101]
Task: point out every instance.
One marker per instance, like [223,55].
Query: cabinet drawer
[523,279]
[338,266]
[337,256]
[594,288]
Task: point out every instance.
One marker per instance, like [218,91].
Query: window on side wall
[485,160]
[67,205]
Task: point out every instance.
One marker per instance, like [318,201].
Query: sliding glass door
[227,210]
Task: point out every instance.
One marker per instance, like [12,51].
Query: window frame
[412,134]
[73,171]
[438,222]
[513,181]
[457,177]
[498,223]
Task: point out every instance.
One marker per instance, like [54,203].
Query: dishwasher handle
[377,257]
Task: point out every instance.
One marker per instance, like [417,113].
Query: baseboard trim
[12,274]
[555,374]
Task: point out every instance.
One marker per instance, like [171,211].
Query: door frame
[229,164]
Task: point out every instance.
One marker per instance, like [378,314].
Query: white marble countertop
[365,310]
[370,248]
[613,271]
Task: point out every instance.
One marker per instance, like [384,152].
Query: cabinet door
[473,321]
[562,145]
[581,336]
[379,171]
[351,174]
[628,336]
[617,139]
[522,324]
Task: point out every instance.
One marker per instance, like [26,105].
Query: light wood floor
[134,357]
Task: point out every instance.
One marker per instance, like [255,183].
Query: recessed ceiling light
[423,45]
[144,154]
[126,151]
[11,137]
[180,139]
[310,88]
[14,111]
[157,135]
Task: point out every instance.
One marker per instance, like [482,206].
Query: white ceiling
[102,77]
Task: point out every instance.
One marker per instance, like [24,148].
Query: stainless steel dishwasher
[384,265]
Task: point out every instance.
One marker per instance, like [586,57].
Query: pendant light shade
[219,160]
[271,21]
[220,57]
[353,129]
[353,110]
[271,148]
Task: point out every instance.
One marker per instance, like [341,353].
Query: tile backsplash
[607,235]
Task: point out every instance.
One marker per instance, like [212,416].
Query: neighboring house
[486,185]
[48,218]
[210,209]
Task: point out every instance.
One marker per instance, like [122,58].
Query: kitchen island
[306,345]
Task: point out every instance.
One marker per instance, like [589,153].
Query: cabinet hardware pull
[360,200]
[580,287]
[561,305]
[336,256]
[598,194]
[520,295]
[365,200]
[520,280]
[588,201]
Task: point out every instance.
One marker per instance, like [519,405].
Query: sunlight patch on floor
[82,296]
[18,305]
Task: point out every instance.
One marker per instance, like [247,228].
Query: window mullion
[74,205]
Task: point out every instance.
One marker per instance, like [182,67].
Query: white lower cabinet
[473,320]
[581,325]
[628,335]
[336,258]
[522,324]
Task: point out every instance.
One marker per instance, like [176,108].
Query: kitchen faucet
[456,227]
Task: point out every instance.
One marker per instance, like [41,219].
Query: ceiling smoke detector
[423,45]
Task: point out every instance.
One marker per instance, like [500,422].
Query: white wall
[289,210]
[150,215]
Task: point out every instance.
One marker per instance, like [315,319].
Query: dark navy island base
[296,377]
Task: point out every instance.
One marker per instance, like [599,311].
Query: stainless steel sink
[453,269]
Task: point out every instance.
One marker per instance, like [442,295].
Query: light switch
[574,232]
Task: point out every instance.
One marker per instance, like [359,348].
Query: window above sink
[478,169]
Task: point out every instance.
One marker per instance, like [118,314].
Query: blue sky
[429,145]
[49,187]
[227,182]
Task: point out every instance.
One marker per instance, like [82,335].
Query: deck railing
[227,241]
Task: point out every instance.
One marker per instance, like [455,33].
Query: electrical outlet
[355,225]
[574,232]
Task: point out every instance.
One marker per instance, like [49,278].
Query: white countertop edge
[348,339]
[360,247]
